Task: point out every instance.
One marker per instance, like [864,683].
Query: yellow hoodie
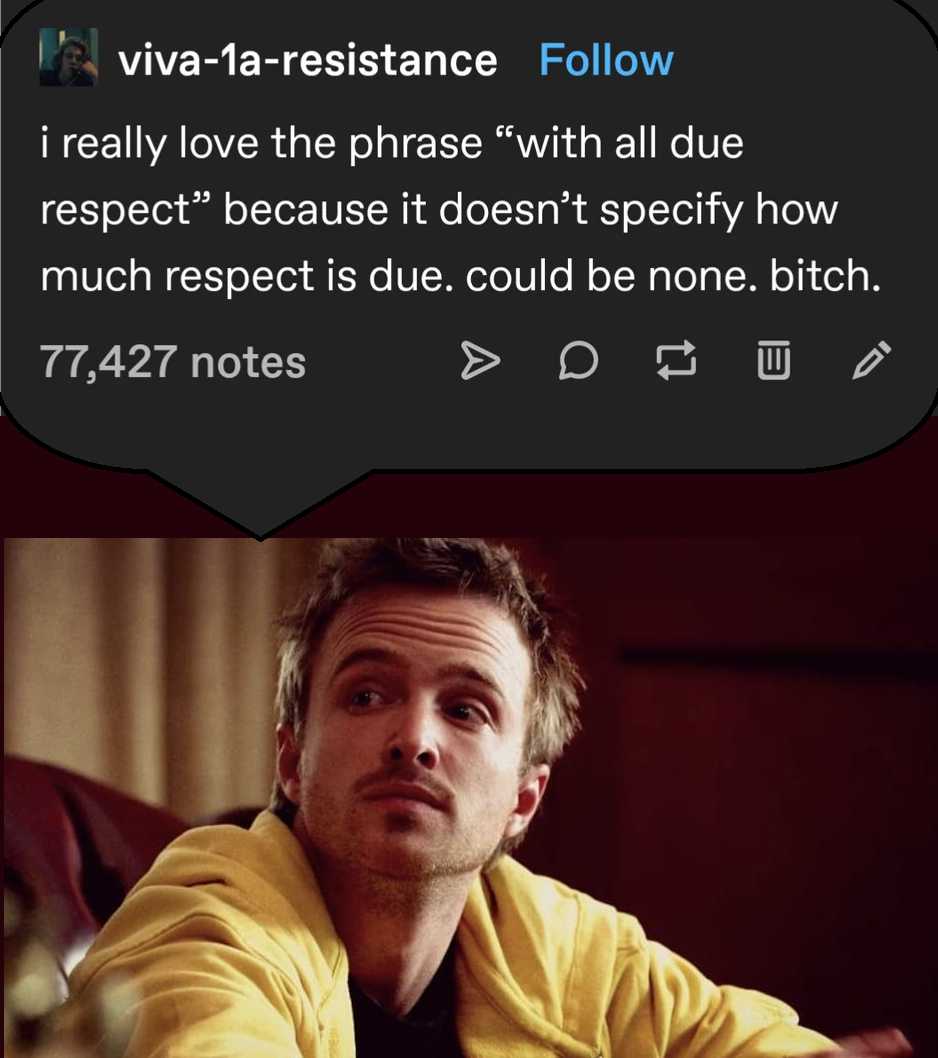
[233,953]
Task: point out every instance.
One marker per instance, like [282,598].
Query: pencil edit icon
[872,359]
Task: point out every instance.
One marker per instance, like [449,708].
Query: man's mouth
[404,791]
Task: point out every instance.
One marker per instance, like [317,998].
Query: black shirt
[428,1031]
[50,79]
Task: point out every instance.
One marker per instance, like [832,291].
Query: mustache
[404,773]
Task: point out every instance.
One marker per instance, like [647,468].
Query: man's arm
[663,1007]
[196,990]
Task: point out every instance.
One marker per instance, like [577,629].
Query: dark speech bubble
[262,258]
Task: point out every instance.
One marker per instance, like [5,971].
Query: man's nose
[414,736]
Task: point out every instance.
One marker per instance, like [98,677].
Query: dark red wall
[756,778]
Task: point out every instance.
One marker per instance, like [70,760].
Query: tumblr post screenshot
[469,529]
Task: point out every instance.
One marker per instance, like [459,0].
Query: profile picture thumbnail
[68,57]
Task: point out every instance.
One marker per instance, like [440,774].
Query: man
[71,67]
[424,694]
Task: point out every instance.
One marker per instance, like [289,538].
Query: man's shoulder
[261,871]
[535,923]
[250,890]
[582,963]
[545,902]
[243,858]
[542,950]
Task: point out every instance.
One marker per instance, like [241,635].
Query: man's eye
[365,698]
[467,712]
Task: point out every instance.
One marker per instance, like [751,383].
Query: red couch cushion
[76,846]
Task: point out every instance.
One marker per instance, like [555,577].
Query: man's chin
[402,853]
[414,857]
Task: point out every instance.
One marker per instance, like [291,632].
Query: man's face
[72,59]
[411,750]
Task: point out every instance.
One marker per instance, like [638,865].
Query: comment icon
[578,360]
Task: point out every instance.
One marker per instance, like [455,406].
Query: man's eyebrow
[379,654]
[382,655]
[470,672]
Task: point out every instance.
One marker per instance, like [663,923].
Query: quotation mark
[504,132]
[201,198]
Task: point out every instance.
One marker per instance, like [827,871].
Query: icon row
[580,359]
[479,360]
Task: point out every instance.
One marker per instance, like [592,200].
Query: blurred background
[756,776]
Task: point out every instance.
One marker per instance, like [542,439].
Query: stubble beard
[394,848]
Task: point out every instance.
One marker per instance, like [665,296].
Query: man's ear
[530,791]
[288,762]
